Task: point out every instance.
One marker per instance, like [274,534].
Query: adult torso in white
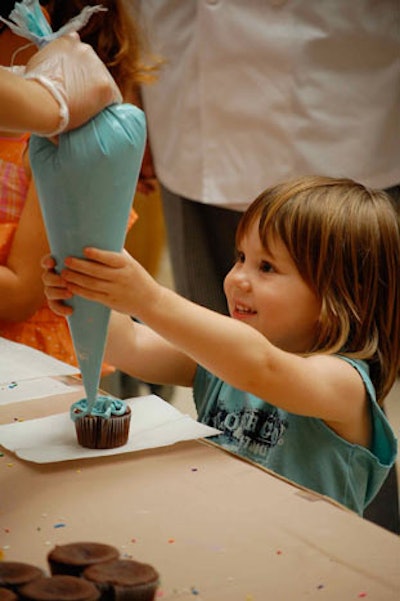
[253,93]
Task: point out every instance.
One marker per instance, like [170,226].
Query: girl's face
[265,290]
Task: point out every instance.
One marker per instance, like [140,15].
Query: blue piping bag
[86,186]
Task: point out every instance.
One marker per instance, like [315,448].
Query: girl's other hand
[55,288]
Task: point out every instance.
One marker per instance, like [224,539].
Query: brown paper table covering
[217,528]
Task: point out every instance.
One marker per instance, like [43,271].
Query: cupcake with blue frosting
[105,425]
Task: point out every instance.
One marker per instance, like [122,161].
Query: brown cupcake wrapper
[59,588]
[14,574]
[124,580]
[73,558]
[95,432]
[7,594]
[139,592]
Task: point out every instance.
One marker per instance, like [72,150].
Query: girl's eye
[266,267]
[240,257]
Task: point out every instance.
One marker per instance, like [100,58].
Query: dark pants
[201,245]
[384,509]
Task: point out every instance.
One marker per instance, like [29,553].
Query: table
[216,527]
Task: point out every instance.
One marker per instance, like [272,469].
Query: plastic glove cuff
[58,95]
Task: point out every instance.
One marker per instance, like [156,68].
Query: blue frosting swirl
[104,406]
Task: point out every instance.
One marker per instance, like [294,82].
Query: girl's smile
[241,311]
[265,290]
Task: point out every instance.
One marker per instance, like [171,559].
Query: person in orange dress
[24,314]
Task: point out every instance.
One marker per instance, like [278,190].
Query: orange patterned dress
[44,330]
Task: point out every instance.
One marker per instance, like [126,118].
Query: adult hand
[76,77]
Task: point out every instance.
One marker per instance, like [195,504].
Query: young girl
[295,377]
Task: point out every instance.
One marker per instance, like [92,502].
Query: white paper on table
[20,362]
[154,423]
[26,390]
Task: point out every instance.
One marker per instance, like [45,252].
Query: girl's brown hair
[113,34]
[344,239]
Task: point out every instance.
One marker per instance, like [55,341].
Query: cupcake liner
[59,588]
[7,595]
[73,558]
[95,432]
[124,580]
[14,574]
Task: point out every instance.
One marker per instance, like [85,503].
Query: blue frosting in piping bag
[86,185]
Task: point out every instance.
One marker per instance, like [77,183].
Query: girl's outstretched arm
[140,352]
[318,386]
[131,347]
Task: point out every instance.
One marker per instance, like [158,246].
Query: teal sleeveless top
[302,449]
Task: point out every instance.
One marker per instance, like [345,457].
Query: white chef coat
[254,92]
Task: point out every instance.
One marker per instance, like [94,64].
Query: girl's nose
[239,278]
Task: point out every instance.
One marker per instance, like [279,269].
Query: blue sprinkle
[194,591]
[59,525]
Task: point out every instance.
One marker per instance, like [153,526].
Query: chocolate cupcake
[103,426]
[7,595]
[59,588]
[124,580]
[14,574]
[73,558]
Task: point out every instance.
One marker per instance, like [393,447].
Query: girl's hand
[55,288]
[113,279]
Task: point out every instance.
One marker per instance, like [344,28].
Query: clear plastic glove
[73,73]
